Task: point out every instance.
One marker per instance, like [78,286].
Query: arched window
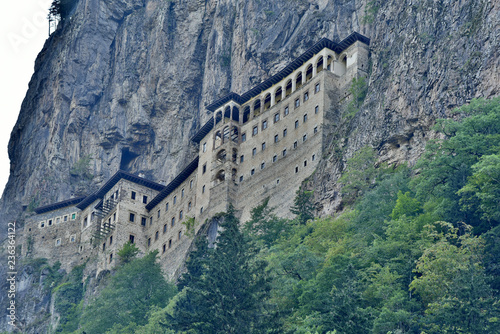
[221,155]
[234,134]
[227,112]
[233,174]
[235,155]
[236,114]
[278,94]
[319,64]
[267,101]
[288,88]
[218,139]
[329,62]
[218,117]
[309,72]
[340,66]
[225,134]
[221,176]
[298,80]
[256,107]
[246,114]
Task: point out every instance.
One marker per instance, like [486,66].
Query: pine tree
[224,288]
[304,206]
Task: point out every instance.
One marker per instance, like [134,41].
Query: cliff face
[124,83]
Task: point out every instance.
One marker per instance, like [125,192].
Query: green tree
[303,205]
[482,191]
[447,163]
[264,226]
[127,253]
[453,285]
[131,292]
[228,287]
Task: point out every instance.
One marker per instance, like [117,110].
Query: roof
[181,177]
[295,64]
[59,205]
[114,180]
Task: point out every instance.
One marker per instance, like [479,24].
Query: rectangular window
[252,172]
[316,88]
[150,221]
[255,130]
[297,103]
[284,152]
[165,228]
[315,129]
[166,206]
[180,235]
[170,243]
[264,125]
[50,222]
[316,109]
[263,146]
[114,216]
[313,157]
[145,199]
[304,138]
[180,215]
[72,238]
[175,199]
[85,222]
[243,137]
[110,240]
[275,157]
[191,184]
[172,223]
[284,133]
[305,163]
[149,242]
[295,144]
[242,158]
[203,189]
[201,210]
[103,247]
[164,248]
[73,216]
[296,169]
[287,111]
[132,195]
[262,165]
[241,178]
[156,235]
[276,138]
[131,238]
[204,169]
[306,96]
[65,218]
[276,117]
[305,118]
[132,217]
[296,124]
[143,221]
[254,151]
[110,257]
[189,206]
[204,147]
[182,193]
[158,215]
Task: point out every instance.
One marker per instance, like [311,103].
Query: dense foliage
[414,251]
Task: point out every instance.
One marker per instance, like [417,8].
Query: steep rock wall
[124,82]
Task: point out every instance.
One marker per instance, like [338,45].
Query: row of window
[179,236]
[133,195]
[276,140]
[276,118]
[274,159]
[72,239]
[57,220]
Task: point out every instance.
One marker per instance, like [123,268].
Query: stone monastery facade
[260,144]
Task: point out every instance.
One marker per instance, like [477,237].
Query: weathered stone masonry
[260,144]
